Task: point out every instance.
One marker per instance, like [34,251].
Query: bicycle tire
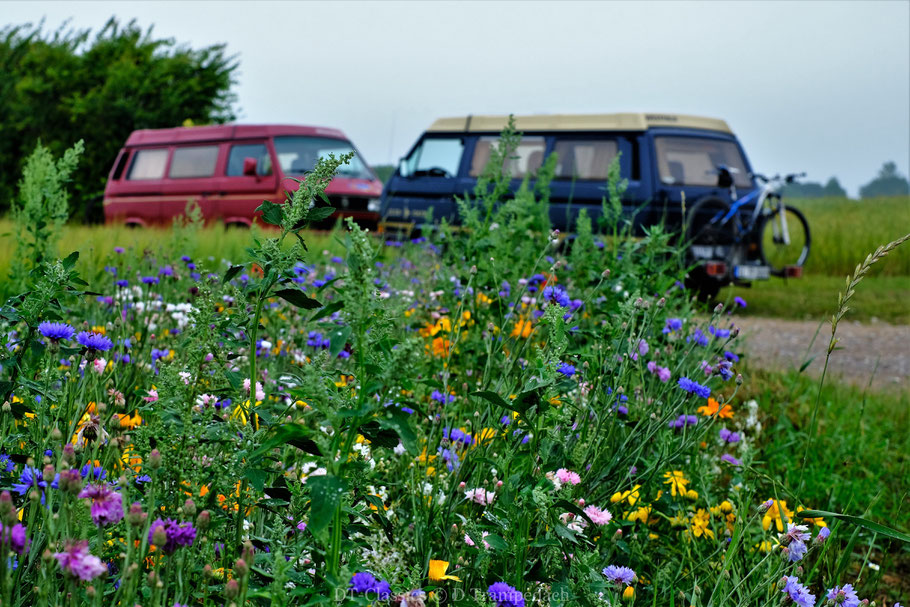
[778,254]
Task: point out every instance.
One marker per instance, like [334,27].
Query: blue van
[666,158]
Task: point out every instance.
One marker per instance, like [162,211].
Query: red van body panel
[156,195]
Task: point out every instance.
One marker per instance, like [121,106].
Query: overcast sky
[815,86]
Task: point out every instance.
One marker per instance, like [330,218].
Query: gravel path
[781,344]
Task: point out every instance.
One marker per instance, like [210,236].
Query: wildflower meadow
[495,415]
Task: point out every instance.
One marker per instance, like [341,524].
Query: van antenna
[467,124]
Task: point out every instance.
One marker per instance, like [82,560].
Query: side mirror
[249,167]
[403,167]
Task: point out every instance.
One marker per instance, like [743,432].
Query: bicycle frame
[767,190]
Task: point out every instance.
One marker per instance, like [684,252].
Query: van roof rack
[578,122]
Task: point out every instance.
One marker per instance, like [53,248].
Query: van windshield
[298,155]
[434,157]
[694,161]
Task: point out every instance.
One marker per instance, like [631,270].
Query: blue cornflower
[798,593]
[505,289]
[441,398]
[111,270]
[694,387]
[739,301]
[843,596]
[95,342]
[457,435]
[186,258]
[733,358]
[150,280]
[557,294]
[719,333]
[505,596]
[699,337]
[619,575]
[6,464]
[122,283]
[31,479]
[566,369]
[98,473]
[55,331]
[672,325]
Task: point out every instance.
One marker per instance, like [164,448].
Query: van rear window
[148,164]
[527,159]
[584,158]
[196,161]
[694,161]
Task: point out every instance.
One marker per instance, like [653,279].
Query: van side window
[584,158]
[148,164]
[436,157]
[196,161]
[248,150]
[527,159]
[121,164]
[694,161]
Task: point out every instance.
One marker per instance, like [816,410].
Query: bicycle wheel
[785,239]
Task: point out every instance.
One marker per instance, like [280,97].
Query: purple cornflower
[843,596]
[726,457]
[55,331]
[505,289]
[505,595]
[441,398]
[365,583]
[107,504]
[823,534]
[619,575]
[457,435]
[78,562]
[643,347]
[171,535]
[165,271]
[95,342]
[566,369]
[694,387]
[118,250]
[558,295]
[673,325]
[729,437]
[733,358]
[798,593]
[683,421]
[14,538]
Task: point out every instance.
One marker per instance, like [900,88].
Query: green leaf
[492,397]
[325,497]
[256,477]
[337,339]
[271,212]
[327,310]
[70,260]
[387,438]
[856,520]
[495,542]
[289,434]
[298,298]
[395,419]
[319,213]
[231,273]
[565,533]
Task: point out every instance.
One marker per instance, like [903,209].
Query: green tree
[67,85]
[833,189]
[888,183]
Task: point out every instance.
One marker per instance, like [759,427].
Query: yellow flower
[438,572]
[778,508]
[700,524]
[640,514]
[630,496]
[677,482]
[522,329]
[818,522]
[629,593]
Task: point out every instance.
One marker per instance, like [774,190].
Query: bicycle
[775,234]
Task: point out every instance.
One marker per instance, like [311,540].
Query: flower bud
[69,453]
[159,536]
[48,473]
[70,481]
[203,520]
[56,434]
[136,517]
[7,510]
[739,379]
[231,589]
[189,507]
[241,568]
[719,308]
[155,459]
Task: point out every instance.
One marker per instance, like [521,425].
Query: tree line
[58,87]
[888,182]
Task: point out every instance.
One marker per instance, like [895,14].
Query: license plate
[752,272]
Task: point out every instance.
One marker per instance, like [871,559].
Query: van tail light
[716,268]
[793,271]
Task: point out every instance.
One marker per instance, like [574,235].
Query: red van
[229,170]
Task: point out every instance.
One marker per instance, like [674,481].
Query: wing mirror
[249,167]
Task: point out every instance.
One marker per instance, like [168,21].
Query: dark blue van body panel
[647,200]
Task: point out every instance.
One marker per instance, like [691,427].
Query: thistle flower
[76,561]
[505,596]
[107,504]
[171,535]
[12,537]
